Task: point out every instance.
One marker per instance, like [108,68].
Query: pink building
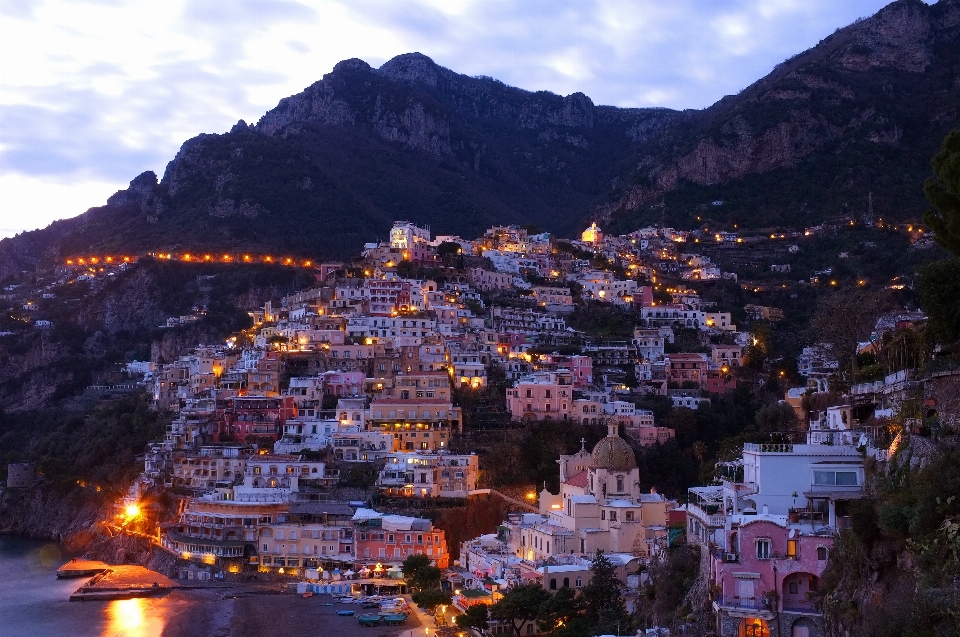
[486,280]
[337,383]
[541,396]
[766,581]
[649,435]
[581,368]
[684,368]
[390,539]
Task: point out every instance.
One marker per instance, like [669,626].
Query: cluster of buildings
[599,507]
[770,521]
[366,369]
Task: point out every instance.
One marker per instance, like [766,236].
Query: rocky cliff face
[861,112]
[852,96]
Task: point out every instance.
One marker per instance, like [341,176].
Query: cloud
[94,92]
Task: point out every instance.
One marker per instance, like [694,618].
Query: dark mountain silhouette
[333,166]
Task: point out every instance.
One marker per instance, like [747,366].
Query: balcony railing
[716,520]
[735,601]
[771,447]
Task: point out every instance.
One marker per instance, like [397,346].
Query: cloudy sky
[92,93]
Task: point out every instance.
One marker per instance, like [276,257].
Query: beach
[263,610]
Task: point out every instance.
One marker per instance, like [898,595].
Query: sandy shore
[255,611]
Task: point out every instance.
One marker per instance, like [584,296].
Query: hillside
[331,167]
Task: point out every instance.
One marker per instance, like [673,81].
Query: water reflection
[133,618]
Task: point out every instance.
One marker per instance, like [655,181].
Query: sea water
[34,603]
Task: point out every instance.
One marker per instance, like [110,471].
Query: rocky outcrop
[45,514]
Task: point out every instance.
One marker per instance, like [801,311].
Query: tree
[430,598]
[475,617]
[420,573]
[604,609]
[938,288]
[561,615]
[448,247]
[943,192]
[519,605]
[843,319]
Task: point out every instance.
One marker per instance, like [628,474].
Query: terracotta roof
[578,480]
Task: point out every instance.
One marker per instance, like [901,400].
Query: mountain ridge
[332,166]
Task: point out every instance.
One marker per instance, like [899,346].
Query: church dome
[613,453]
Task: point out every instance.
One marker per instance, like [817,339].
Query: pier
[118,582]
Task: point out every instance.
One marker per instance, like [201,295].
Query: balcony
[713,520]
[737,606]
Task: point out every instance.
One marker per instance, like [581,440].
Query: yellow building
[592,235]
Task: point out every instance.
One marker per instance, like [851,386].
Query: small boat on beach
[369,620]
[345,613]
[394,620]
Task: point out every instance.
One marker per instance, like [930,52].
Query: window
[629,516]
[553,583]
[619,484]
[566,582]
[792,548]
[603,514]
[579,582]
[613,516]
[763,549]
[821,553]
[794,588]
[835,478]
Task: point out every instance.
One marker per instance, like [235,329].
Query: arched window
[566,582]
[553,583]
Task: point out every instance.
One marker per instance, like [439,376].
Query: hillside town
[370,369]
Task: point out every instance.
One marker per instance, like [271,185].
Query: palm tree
[699,451]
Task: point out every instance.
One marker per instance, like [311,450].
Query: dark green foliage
[905,547]
[529,457]
[603,606]
[520,604]
[604,319]
[561,615]
[420,572]
[430,598]
[938,289]
[475,617]
[98,449]
[670,579]
[943,192]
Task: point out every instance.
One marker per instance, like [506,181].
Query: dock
[124,582]
[81,568]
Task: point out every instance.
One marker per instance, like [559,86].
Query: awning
[834,495]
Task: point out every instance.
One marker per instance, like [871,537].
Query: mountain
[331,167]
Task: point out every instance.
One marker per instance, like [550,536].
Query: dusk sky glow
[93,93]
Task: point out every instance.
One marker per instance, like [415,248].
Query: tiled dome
[613,453]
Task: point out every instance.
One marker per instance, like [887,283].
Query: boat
[345,613]
[394,620]
[370,605]
[369,620]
